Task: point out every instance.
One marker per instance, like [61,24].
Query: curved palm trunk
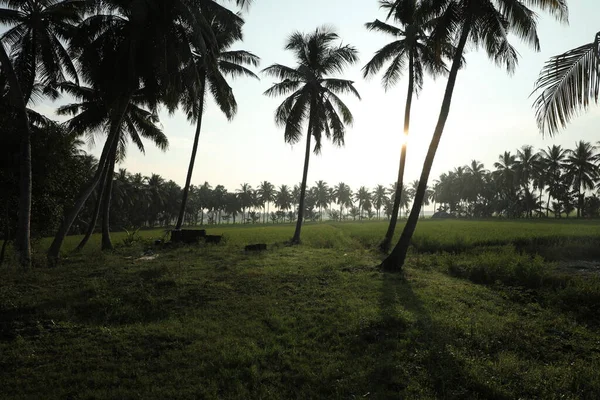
[99,200]
[188,181]
[396,259]
[108,183]
[296,238]
[54,250]
[23,234]
[387,241]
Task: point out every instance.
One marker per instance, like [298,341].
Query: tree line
[122,61]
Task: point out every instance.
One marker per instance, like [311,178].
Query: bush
[503,264]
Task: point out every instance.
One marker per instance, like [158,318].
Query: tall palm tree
[582,170]
[487,22]
[90,115]
[362,196]
[313,95]
[209,73]
[36,36]
[567,84]
[118,57]
[266,191]
[411,46]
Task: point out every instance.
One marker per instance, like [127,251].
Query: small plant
[131,237]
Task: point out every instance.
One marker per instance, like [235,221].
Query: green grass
[481,311]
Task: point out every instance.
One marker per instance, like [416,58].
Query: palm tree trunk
[296,238]
[387,240]
[101,189]
[23,234]
[54,250]
[396,259]
[106,242]
[188,181]
[6,232]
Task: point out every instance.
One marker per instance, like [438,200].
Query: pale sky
[491,111]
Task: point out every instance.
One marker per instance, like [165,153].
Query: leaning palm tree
[209,73]
[90,115]
[486,22]
[411,46]
[568,83]
[313,95]
[36,37]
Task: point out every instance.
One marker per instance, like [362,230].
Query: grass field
[483,309]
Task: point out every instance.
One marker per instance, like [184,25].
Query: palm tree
[209,73]
[266,191]
[362,197]
[379,195]
[411,46]
[91,114]
[553,160]
[314,97]
[245,196]
[582,170]
[483,21]
[343,196]
[119,58]
[283,198]
[322,196]
[36,36]
[567,84]
[526,166]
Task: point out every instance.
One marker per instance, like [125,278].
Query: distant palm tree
[411,46]
[283,198]
[362,196]
[582,170]
[343,197]
[553,159]
[322,196]
[568,83]
[313,95]
[482,21]
[379,196]
[209,73]
[245,196]
[527,163]
[266,191]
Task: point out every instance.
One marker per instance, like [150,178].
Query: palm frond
[283,88]
[340,86]
[282,72]
[383,55]
[567,84]
[379,26]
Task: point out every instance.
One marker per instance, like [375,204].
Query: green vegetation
[484,309]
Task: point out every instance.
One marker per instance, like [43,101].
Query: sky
[491,110]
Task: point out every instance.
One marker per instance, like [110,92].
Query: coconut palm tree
[486,22]
[36,36]
[266,192]
[322,196]
[313,95]
[553,159]
[209,73]
[411,46]
[379,196]
[362,196]
[568,83]
[343,197]
[117,57]
[245,196]
[582,170]
[283,198]
[90,115]
[526,166]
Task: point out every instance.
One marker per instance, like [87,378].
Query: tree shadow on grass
[414,352]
